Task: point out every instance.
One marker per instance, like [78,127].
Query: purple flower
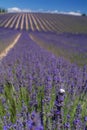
[67,125]
[85,118]
[5,128]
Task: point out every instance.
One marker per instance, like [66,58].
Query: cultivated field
[43,72]
[44,22]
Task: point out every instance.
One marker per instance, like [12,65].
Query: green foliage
[40,96]
[2,10]
[14,102]
[84,14]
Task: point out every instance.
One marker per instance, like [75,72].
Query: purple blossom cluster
[56,89]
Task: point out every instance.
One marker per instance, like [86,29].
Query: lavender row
[7,36]
[68,45]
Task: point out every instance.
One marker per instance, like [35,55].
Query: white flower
[62,90]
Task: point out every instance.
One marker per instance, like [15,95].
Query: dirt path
[18,21]
[27,22]
[6,51]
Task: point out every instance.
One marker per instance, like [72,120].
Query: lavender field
[58,23]
[43,72]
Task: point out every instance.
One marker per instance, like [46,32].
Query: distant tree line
[2,10]
[84,14]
